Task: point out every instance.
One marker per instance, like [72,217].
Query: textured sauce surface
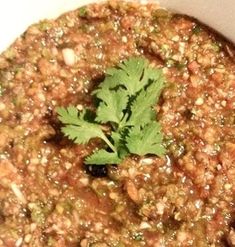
[184,199]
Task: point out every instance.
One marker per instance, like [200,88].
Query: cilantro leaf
[102,157]
[82,134]
[111,81]
[133,74]
[126,100]
[78,129]
[146,140]
[141,108]
[68,115]
[112,105]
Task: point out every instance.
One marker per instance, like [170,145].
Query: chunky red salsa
[48,197]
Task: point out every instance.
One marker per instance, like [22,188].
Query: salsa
[49,197]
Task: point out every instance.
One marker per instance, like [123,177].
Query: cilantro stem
[106,140]
[122,124]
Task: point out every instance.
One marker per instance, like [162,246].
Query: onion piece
[69,56]
[18,193]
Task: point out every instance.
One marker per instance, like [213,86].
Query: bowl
[187,197]
[16,16]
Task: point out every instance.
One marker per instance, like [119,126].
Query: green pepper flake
[82,11]
[156,30]
[51,241]
[44,25]
[84,28]
[215,46]
[14,101]
[170,63]
[161,13]
[196,30]
[217,147]
[138,236]
[10,53]
[120,244]
[180,66]
[165,48]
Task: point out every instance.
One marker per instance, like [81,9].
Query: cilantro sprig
[126,100]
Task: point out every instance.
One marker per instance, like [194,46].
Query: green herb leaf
[112,105]
[146,140]
[215,46]
[68,115]
[197,30]
[133,74]
[141,108]
[78,129]
[82,11]
[103,157]
[126,100]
